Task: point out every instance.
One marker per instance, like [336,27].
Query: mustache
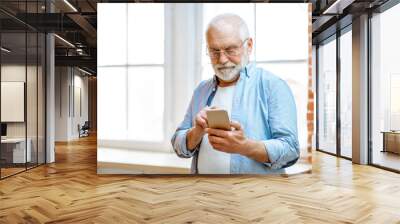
[224,66]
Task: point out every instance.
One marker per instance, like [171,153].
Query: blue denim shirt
[264,105]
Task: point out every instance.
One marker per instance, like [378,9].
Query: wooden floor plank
[70,191]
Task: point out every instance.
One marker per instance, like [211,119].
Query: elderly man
[263,138]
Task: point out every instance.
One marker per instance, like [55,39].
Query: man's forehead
[222,42]
[223,30]
[222,38]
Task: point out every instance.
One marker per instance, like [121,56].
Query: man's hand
[235,141]
[200,121]
[196,133]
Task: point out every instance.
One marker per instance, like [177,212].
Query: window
[346,94]
[385,85]
[112,103]
[327,96]
[131,73]
[146,104]
[277,52]
[112,38]
[22,77]
[289,40]
[394,101]
[335,74]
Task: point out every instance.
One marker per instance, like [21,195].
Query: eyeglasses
[229,52]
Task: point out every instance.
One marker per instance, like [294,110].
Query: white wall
[69,82]
[80,83]
[10,73]
[61,103]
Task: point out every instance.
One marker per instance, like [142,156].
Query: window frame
[334,37]
[157,146]
[175,92]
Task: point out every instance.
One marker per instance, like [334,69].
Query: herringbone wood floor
[70,191]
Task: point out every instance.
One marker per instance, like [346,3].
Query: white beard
[230,71]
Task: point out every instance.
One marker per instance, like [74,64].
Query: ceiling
[77,25]
[329,16]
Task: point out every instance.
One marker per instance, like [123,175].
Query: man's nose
[222,59]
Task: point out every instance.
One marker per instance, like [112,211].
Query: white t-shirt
[211,161]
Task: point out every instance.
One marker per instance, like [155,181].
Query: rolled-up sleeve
[178,140]
[283,147]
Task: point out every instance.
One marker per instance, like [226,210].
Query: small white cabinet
[17,146]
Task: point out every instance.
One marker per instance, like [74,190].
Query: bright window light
[112,34]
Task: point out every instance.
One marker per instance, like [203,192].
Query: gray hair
[230,20]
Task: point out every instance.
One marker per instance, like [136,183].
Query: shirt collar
[248,69]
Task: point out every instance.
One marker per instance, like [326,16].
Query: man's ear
[249,45]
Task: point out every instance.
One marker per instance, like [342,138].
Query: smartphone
[218,118]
